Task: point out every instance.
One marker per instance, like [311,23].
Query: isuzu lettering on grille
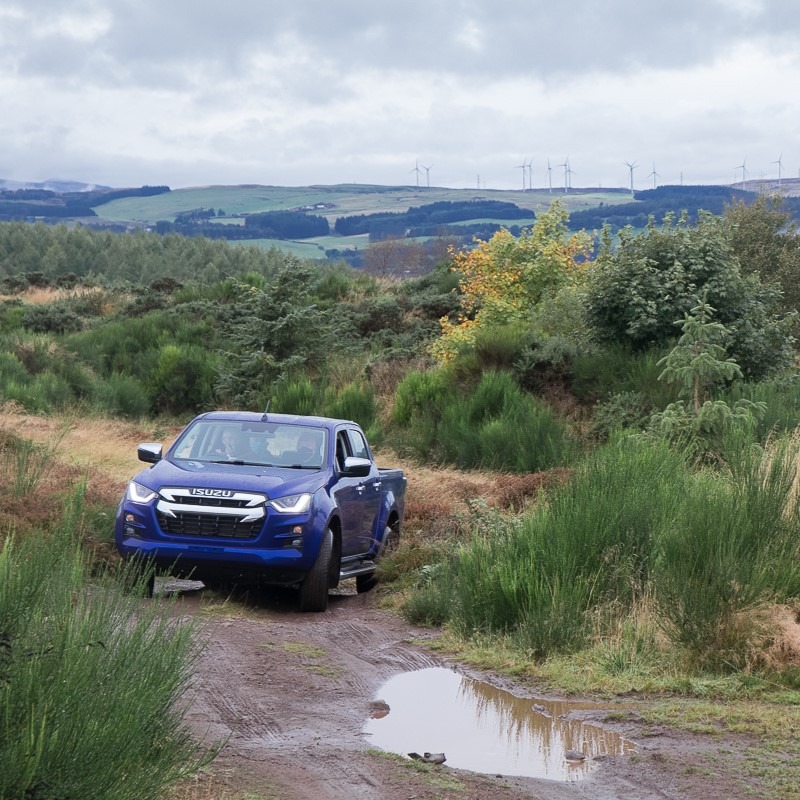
[198,492]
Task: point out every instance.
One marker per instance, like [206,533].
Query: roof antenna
[266,411]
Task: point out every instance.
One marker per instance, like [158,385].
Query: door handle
[360,489]
[377,486]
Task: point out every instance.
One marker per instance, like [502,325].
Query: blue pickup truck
[267,498]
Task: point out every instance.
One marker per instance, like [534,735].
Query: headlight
[140,494]
[293,504]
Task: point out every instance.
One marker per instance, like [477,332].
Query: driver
[233,445]
[308,448]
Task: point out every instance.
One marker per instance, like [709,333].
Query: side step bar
[360,568]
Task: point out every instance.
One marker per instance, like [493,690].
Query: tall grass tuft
[29,462]
[89,682]
[539,578]
[733,548]
[636,526]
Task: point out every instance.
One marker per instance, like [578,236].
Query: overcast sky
[193,92]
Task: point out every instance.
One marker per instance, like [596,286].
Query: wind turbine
[779,162]
[743,168]
[530,174]
[416,169]
[549,176]
[631,167]
[523,166]
[567,172]
[427,175]
[654,175]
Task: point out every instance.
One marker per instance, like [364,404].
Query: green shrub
[51,318]
[496,425]
[620,412]
[499,346]
[182,379]
[545,361]
[422,394]
[354,402]
[11,313]
[40,394]
[121,394]
[598,375]
[297,397]
[11,370]
[781,399]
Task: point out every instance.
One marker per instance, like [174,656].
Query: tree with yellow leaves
[505,278]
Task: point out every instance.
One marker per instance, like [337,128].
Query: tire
[365,583]
[314,588]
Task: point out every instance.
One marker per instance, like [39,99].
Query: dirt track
[291,693]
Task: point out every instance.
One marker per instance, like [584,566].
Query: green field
[333,202]
[342,200]
[307,249]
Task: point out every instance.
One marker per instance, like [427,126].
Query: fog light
[130,530]
[130,518]
[297,543]
[298,529]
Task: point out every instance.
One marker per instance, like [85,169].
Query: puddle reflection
[485,729]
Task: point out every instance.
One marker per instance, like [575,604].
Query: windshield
[254,443]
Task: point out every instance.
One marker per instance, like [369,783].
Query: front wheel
[314,588]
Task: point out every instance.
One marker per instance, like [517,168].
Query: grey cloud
[168,42]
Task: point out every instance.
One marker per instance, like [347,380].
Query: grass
[433,774]
[220,784]
[31,462]
[347,199]
[316,655]
[90,681]
[637,559]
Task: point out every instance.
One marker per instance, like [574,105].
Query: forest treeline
[21,204]
[659,202]
[425,220]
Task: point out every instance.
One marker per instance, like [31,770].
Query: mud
[291,694]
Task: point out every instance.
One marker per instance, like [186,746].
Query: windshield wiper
[238,462]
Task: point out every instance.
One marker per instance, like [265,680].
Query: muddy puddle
[484,729]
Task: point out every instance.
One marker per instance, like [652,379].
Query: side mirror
[149,452]
[356,467]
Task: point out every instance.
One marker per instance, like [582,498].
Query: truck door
[355,498]
[370,492]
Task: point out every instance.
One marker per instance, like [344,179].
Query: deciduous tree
[505,278]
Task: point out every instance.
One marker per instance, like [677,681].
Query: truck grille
[211,502]
[183,511]
[211,525]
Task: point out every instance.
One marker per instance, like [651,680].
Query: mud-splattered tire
[364,583]
[314,588]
